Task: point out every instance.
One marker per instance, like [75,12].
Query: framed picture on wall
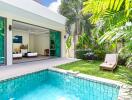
[17,39]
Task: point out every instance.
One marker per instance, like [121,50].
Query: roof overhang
[31,12]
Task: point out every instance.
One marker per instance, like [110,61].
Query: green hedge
[100,54]
[80,54]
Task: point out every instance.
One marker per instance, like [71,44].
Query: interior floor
[25,59]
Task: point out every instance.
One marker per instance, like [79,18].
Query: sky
[51,4]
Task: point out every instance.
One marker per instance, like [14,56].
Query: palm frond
[99,7]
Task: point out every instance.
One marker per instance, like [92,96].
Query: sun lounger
[110,62]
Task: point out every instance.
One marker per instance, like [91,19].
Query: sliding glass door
[55,43]
[2,40]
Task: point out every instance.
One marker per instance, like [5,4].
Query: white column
[63,45]
[9,42]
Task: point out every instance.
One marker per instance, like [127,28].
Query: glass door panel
[2,40]
[55,43]
[52,43]
[58,43]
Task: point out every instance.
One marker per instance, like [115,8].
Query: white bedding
[32,54]
[19,55]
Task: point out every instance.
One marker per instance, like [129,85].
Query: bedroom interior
[31,43]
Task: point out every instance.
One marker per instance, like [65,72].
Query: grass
[121,73]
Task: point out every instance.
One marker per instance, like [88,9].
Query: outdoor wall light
[65,36]
[10,27]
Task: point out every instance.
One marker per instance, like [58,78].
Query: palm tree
[72,9]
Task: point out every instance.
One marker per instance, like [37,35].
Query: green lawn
[121,73]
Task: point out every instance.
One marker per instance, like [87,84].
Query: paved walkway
[15,70]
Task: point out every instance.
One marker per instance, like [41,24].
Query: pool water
[48,92]
[51,85]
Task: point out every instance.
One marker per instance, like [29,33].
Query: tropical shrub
[68,44]
[112,19]
[100,54]
[125,56]
[86,43]
[129,62]
[83,42]
[80,54]
[118,34]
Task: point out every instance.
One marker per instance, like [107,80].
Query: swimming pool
[52,85]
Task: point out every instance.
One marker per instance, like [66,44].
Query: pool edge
[124,89]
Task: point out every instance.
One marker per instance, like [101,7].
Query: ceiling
[32,29]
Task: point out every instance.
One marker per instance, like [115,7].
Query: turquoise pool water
[51,85]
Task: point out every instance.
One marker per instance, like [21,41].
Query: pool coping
[125,91]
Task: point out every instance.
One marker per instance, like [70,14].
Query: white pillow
[23,51]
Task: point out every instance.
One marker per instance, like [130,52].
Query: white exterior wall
[31,42]
[41,43]
[9,43]
[63,47]
[29,11]
[36,8]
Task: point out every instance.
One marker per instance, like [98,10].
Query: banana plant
[69,44]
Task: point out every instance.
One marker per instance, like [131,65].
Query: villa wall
[9,43]
[25,38]
[34,13]
[38,43]
[18,10]
[31,42]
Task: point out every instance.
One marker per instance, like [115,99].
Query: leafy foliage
[123,32]
[69,42]
[113,22]
[109,16]
[72,9]
[109,9]
[80,53]
[129,62]
[83,41]
[118,34]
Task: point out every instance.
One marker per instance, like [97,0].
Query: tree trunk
[76,34]
[74,38]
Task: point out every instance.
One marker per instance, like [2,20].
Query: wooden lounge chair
[110,62]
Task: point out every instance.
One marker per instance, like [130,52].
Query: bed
[17,56]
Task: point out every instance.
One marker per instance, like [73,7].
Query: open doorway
[34,43]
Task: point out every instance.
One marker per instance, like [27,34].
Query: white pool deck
[15,70]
